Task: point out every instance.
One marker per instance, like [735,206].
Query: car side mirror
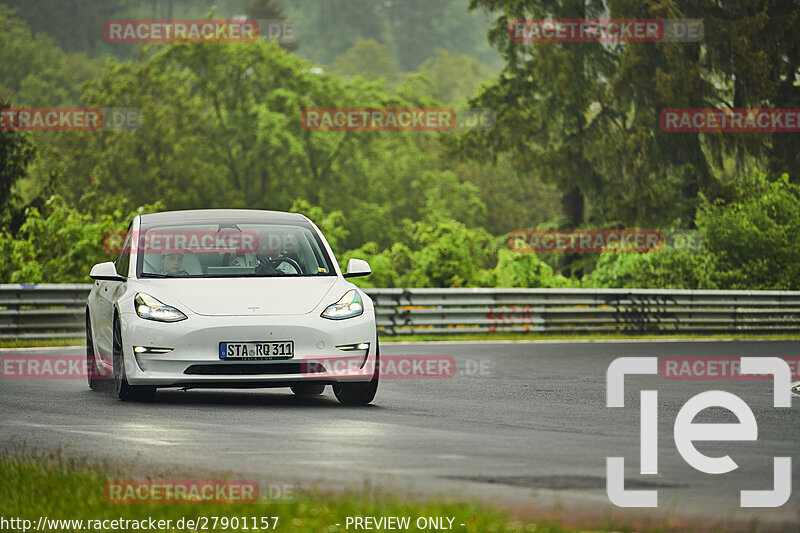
[357,267]
[105,272]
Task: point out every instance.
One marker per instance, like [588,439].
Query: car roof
[214,216]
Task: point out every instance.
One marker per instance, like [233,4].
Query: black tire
[92,372]
[308,390]
[360,393]
[121,388]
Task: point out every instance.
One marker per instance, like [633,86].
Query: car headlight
[150,308]
[348,307]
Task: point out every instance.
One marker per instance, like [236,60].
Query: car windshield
[230,250]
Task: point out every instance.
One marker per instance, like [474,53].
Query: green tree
[450,254]
[330,27]
[753,239]
[36,72]
[16,153]
[392,267]
[331,224]
[412,30]
[268,10]
[76,25]
[584,116]
[665,269]
[749,241]
[525,270]
[221,127]
[368,59]
[451,78]
[62,243]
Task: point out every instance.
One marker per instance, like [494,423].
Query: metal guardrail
[449,311]
[57,311]
[43,311]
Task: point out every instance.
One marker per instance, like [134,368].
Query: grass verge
[30,343]
[56,487]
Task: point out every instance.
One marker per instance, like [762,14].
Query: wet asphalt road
[521,424]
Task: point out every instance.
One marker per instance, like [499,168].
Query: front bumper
[194,359]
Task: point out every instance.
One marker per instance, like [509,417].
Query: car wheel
[308,390]
[359,393]
[122,389]
[92,372]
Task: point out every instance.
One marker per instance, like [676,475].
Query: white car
[230,298]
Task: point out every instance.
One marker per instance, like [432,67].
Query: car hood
[244,296]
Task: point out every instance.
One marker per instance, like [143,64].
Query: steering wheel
[286,259]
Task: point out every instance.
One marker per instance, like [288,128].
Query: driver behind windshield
[171,265]
[270,256]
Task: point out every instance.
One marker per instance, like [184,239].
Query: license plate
[256,350]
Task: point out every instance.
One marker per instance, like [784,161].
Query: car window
[122,263]
[232,250]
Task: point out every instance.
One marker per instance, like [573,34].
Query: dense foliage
[573,147]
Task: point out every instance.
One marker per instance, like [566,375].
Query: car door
[107,293]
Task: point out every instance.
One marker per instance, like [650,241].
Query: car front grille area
[251,369]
